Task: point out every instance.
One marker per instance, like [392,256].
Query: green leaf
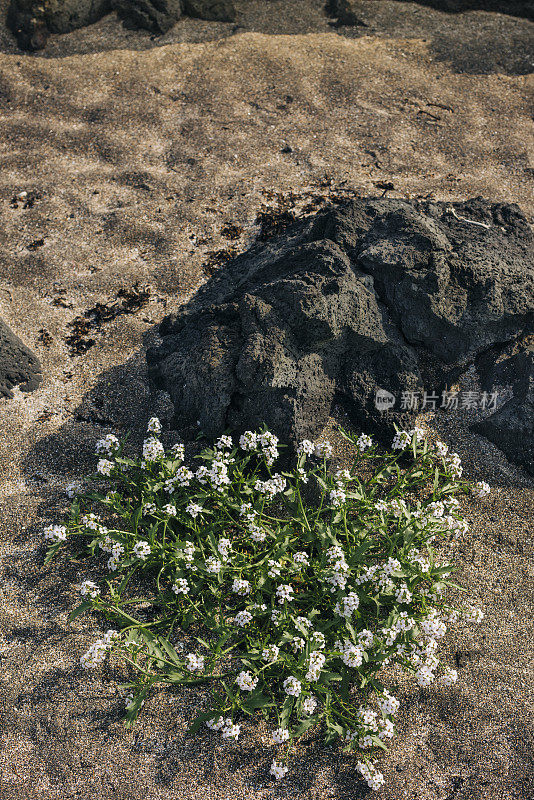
[197,722]
[305,725]
[85,606]
[287,708]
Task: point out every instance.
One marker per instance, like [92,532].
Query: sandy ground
[138,154]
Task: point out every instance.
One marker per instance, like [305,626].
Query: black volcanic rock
[221,10]
[32,20]
[376,294]
[18,365]
[511,428]
[157,16]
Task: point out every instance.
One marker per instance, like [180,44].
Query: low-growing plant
[300,588]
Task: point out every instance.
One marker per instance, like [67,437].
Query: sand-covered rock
[18,365]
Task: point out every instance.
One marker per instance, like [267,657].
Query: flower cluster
[286,596]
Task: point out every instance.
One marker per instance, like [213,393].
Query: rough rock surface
[511,428]
[216,10]
[32,20]
[343,11]
[365,297]
[157,16]
[18,365]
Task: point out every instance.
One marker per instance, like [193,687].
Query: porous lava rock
[32,20]
[511,428]
[157,16]
[18,365]
[377,294]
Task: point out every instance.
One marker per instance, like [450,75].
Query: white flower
[188,553]
[274,568]
[424,676]
[88,588]
[170,509]
[306,447]
[301,558]
[224,546]
[441,448]
[348,605]
[280,735]
[178,451]
[180,586]
[270,653]
[230,730]
[194,509]
[55,533]
[352,656]
[243,618]
[194,663]
[284,593]
[474,615]
[105,467]
[388,704]
[387,729]
[374,778]
[152,449]
[401,440]
[107,445]
[337,497]
[224,443]
[316,663]
[323,449]
[149,508]
[257,534]
[271,487]
[297,643]
[248,441]
[241,587]
[309,705]
[142,550]
[216,723]
[449,677]
[454,465]
[213,564]
[481,489]
[98,651]
[154,425]
[275,616]
[302,475]
[73,489]
[278,771]
[365,638]
[246,682]
[292,686]
[403,594]
[363,442]
[247,511]
[436,509]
